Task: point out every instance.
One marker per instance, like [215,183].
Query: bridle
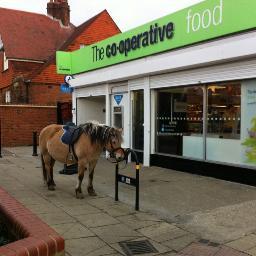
[112,153]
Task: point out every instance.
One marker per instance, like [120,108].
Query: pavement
[180,213]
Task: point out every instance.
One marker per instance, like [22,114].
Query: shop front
[182,88]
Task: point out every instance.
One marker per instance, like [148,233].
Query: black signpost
[135,182]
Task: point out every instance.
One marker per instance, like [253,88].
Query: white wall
[91,108]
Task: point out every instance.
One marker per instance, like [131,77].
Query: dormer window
[5,63]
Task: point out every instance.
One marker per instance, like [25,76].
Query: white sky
[127,14]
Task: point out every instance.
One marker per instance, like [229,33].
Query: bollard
[0,138]
[34,144]
[137,185]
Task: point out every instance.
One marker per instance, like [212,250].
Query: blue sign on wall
[118,98]
[66,88]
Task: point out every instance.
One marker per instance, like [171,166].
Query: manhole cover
[137,247]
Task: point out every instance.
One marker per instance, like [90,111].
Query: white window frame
[5,63]
[8,97]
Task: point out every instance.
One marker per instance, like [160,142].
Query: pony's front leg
[49,163]
[90,188]
[81,170]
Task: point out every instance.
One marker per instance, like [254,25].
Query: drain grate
[137,247]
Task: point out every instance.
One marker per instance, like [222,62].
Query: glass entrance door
[138,120]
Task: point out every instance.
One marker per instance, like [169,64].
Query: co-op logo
[152,36]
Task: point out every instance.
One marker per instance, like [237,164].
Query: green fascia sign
[204,21]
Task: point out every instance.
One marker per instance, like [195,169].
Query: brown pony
[93,139]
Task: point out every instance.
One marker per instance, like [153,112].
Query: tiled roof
[31,36]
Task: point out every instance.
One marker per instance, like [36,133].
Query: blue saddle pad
[71,134]
[67,135]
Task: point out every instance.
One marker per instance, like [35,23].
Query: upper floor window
[5,63]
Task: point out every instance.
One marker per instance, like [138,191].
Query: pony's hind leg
[81,170]
[49,163]
[90,188]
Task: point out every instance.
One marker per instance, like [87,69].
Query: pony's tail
[43,169]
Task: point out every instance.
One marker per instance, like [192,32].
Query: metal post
[137,186]
[116,183]
[0,138]
[35,144]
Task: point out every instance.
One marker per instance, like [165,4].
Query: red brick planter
[35,237]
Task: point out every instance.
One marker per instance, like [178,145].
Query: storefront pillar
[147,115]
[74,108]
[108,107]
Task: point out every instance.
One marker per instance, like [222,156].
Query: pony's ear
[120,130]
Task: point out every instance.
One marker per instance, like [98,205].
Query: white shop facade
[183,88]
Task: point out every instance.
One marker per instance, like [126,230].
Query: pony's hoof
[79,195]
[91,191]
[51,187]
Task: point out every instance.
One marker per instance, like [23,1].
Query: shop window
[224,111]
[223,142]
[179,121]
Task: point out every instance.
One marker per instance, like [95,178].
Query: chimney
[59,9]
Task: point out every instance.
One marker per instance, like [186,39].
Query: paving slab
[197,249]
[244,243]
[177,244]
[96,220]
[56,218]
[251,251]
[81,209]
[118,210]
[84,246]
[106,250]
[102,202]
[116,233]
[72,230]
[162,232]
[139,220]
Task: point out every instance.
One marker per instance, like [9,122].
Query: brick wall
[47,94]
[18,122]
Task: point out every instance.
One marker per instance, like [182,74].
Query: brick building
[28,42]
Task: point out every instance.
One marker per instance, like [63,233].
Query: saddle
[70,137]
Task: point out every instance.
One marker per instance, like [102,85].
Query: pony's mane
[100,133]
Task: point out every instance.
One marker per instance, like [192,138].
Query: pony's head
[114,142]
[108,137]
